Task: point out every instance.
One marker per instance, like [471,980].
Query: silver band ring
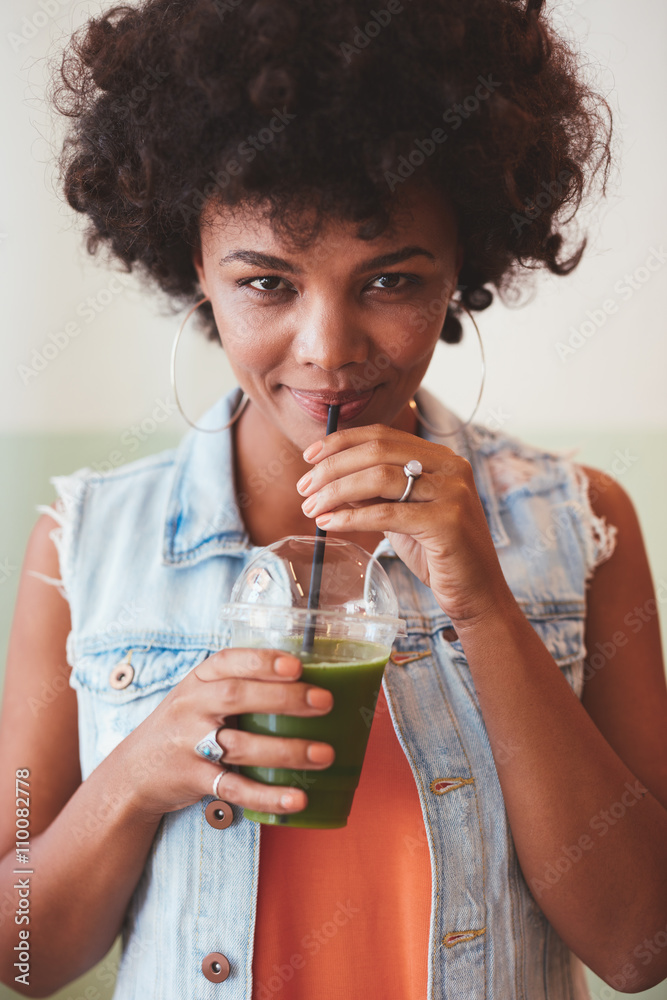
[209,748]
[413,470]
[216,781]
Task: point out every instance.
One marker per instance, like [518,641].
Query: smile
[316,404]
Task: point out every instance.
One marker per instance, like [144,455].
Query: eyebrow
[273,263]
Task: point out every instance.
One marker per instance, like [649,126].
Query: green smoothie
[352,670]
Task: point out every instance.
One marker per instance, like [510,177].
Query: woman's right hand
[224,685]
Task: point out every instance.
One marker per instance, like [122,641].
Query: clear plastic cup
[347,640]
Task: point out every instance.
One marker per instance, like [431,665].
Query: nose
[330,342]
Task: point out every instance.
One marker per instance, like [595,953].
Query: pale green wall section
[27,460]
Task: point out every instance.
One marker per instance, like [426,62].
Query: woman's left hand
[440,532]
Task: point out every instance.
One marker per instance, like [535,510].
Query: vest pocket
[117,688]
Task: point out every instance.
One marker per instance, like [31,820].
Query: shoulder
[608,498]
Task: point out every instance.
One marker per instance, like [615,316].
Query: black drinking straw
[318,557]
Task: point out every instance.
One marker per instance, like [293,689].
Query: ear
[198,261]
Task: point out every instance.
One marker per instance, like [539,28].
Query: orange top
[345,912]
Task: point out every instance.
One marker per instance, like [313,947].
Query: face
[347,320]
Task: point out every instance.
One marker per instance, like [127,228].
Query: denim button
[215,967]
[121,675]
[219,814]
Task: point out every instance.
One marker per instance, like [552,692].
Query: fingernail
[312,451]
[287,801]
[309,505]
[304,483]
[286,666]
[318,698]
[318,753]
[322,520]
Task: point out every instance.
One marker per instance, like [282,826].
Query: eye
[271,293]
[263,293]
[410,279]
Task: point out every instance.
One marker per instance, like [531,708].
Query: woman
[334,187]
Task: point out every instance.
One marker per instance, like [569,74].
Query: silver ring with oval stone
[413,470]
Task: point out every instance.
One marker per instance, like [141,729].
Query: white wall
[115,370]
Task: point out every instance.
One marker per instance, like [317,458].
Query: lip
[316,403]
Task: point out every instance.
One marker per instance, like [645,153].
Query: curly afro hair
[324,104]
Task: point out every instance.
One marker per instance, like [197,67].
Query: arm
[595,769]
[82,884]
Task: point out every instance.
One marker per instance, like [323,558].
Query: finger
[380,482]
[342,440]
[267,664]
[250,794]
[274,751]
[404,518]
[438,460]
[234,695]
[357,457]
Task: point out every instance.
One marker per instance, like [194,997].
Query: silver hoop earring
[435,430]
[172,371]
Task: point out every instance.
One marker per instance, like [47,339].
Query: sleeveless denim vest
[148,554]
